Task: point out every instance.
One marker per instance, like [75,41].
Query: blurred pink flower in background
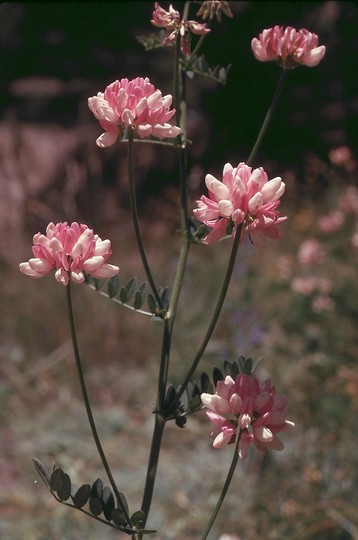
[348,201]
[70,250]
[229,537]
[331,222]
[288,46]
[307,285]
[134,104]
[322,302]
[244,407]
[171,21]
[340,155]
[311,252]
[304,285]
[245,196]
[355,237]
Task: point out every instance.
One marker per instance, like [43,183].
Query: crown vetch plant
[245,196]
[245,202]
[247,411]
[133,105]
[288,46]
[177,26]
[72,251]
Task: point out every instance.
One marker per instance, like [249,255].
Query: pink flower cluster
[134,104]
[174,25]
[245,196]
[346,209]
[70,250]
[249,410]
[311,252]
[288,46]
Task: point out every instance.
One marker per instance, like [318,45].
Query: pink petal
[93,264]
[106,271]
[106,139]
[40,266]
[26,269]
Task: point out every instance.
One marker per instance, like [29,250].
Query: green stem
[88,405]
[180,93]
[137,230]
[180,106]
[159,423]
[152,465]
[268,117]
[200,42]
[163,368]
[223,491]
[216,313]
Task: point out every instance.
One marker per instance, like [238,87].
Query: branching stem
[136,225]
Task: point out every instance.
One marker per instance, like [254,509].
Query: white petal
[218,188]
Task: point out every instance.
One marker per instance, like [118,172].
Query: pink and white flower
[288,46]
[247,409]
[174,25]
[72,251]
[244,196]
[136,105]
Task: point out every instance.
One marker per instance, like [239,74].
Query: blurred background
[294,303]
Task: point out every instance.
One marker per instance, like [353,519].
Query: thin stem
[223,491]
[201,39]
[159,423]
[152,466]
[197,48]
[268,117]
[88,405]
[180,92]
[137,230]
[180,106]
[178,280]
[163,368]
[216,313]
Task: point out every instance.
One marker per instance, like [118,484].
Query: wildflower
[213,8]
[72,251]
[311,252]
[174,25]
[288,46]
[322,302]
[340,155]
[354,240]
[134,104]
[348,202]
[245,196]
[247,409]
[304,285]
[331,222]
[311,284]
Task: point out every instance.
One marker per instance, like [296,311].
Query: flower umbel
[245,196]
[243,407]
[70,250]
[174,25]
[288,46]
[134,104]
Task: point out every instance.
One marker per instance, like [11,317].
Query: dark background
[85,45]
